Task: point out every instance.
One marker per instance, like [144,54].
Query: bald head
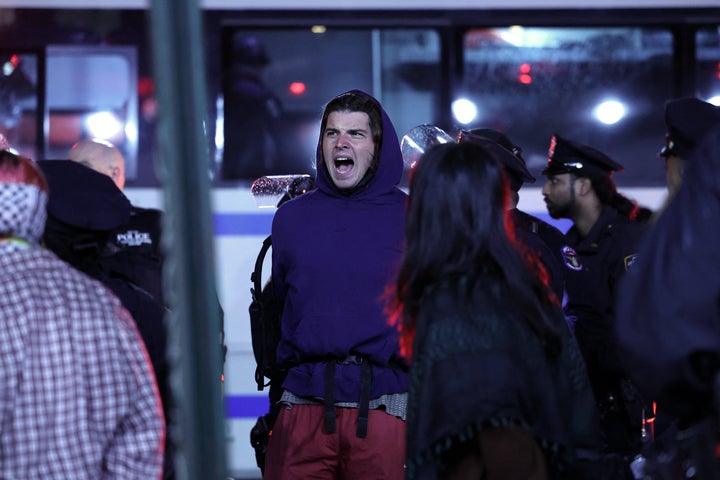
[102,157]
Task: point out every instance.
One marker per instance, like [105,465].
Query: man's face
[559,195]
[347,147]
[673,173]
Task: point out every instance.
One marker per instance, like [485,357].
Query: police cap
[509,154]
[688,120]
[565,156]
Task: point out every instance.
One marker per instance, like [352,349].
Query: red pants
[300,448]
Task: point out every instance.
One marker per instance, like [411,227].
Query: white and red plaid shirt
[78,398]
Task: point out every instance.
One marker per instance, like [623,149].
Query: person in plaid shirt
[78,397]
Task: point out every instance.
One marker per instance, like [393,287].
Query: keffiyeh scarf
[22,214]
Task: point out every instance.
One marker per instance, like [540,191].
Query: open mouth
[343,164]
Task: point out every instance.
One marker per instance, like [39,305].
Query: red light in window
[297,88]
[15,60]
[524,75]
[146,86]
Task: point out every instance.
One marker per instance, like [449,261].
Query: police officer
[688,121]
[83,208]
[133,248]
[253,115]
[603,241]
[539,236]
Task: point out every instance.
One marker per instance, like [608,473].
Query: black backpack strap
[256,275]
[257,320]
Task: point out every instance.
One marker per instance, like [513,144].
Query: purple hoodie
[333,256]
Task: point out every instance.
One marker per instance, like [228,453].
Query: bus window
[605,87]
[275,82]
[708,64]
[92,93]
[19,101]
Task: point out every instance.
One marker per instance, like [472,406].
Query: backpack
[265,313]
[265,309]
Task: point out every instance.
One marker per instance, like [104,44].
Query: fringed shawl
[478,365]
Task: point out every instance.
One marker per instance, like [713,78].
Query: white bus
[598,73]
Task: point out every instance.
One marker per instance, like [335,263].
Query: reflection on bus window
[18,101]
[92,93]
[605,87]
[276,80]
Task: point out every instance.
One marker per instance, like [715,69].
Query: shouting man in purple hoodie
[335,249]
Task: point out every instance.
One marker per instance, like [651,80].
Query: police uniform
[133,251]
[253,116]
[83,207]
[595,263]
[543,239]
[667,307]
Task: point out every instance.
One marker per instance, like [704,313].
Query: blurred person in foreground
[498,387]
[78,397]
[668,326]
[688,121]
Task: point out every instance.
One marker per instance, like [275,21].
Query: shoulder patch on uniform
[571,258]
[630,260]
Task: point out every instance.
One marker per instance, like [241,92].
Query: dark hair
[356,102]
[607,193]
[457,226]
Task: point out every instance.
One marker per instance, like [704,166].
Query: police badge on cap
[565,156]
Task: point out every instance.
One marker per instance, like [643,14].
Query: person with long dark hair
[498,388]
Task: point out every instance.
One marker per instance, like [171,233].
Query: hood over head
[386,172]
[83,198]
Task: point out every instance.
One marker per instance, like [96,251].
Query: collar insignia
[629,261]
